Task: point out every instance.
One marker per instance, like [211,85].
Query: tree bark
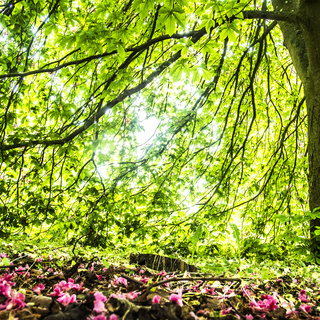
[302,38]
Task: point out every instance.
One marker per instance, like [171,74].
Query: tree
[228,110]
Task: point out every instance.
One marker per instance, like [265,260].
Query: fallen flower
[38,288]
[99,276]
[64,286]
[249,316]
[225,310]
[5,290]
[66,299]
[100,317]
[118,296]
[156,299]
[145,280]
[113,317]
[120,280]
[303,296]
[7,277]
[132,295]
[15,302]
[177,298]
[305,308]
[268,303]
[56,292]
[99,301]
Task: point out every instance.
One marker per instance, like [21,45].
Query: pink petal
[156,299]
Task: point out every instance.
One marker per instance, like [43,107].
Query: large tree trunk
[302,38]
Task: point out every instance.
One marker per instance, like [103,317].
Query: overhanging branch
[270,15]
[99,56]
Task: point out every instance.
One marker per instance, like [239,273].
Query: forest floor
[77,289]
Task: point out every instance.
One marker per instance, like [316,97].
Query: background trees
[141,121]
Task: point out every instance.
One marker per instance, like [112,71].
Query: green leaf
[236,232]
[206,74]
[180,19]
[281,217]
[5,262]
[105,263]
[170,25]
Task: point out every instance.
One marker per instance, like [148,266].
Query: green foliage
[130,120]
[195,239]
[236,236]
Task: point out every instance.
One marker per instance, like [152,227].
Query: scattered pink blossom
[305,308]
[247,293]
[303,296]
[177,298]
[291,312]
[162,273]
[295,281]
[5,290]
[132,295]
[21,270]
[268,303]
[99,317]
[195,288]
[16,301]
[120,280]
[64,286]
[156,299]
[208,290]
[99,301]
[225,310]
[249,316]
[56,292]
[226,289]
[145,279]
[113,317]
[99,276]
[38,288]
[118,296]
[66,299]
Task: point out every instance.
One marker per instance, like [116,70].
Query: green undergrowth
[249,266]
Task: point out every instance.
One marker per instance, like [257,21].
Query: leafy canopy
[80,81]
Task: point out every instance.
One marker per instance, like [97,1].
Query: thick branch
[102,111]
[270,15]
